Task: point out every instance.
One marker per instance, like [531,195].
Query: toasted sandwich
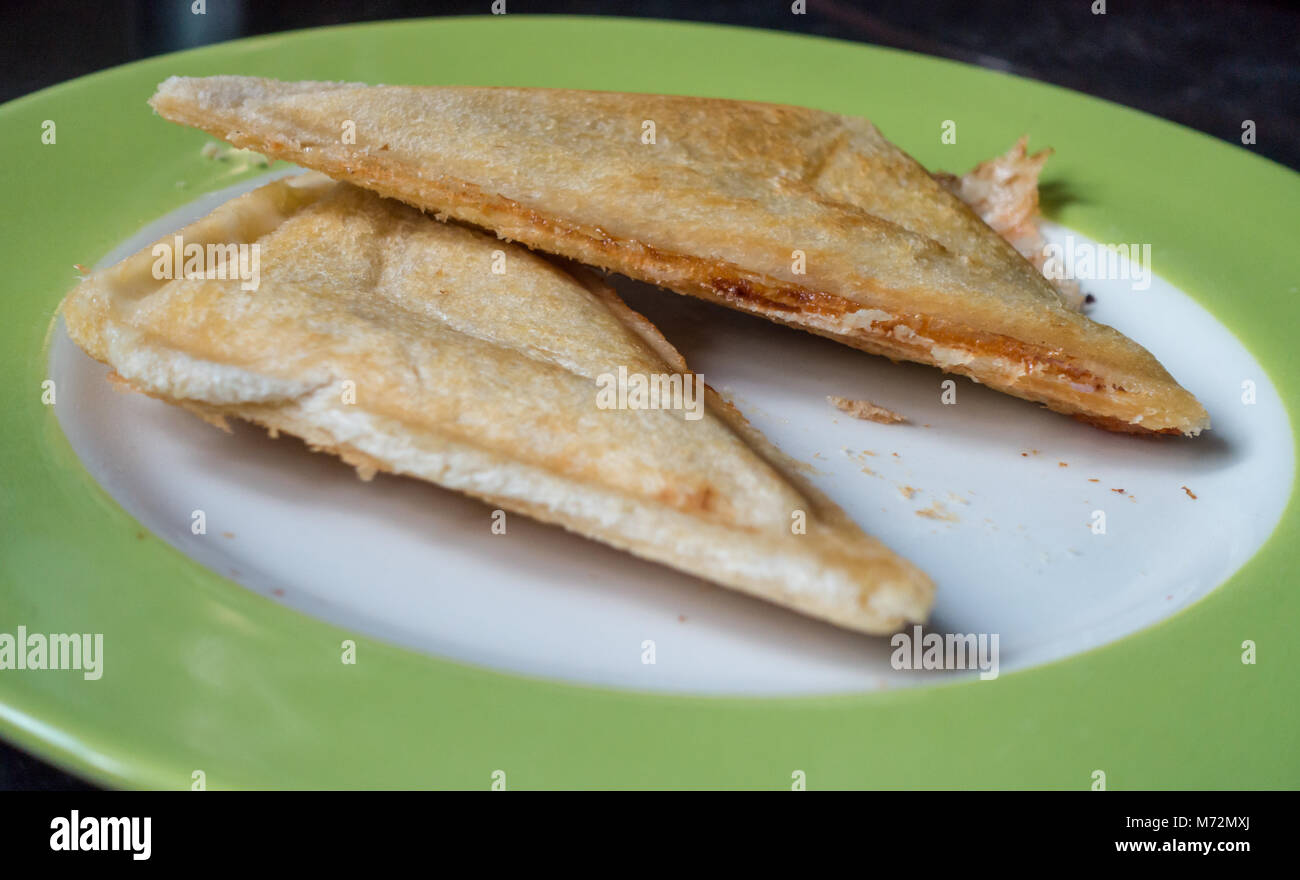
[808,218]
[406,345]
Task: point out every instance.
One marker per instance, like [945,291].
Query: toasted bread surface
[808,218]
[387,338]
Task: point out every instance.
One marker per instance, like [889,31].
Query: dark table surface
[1207,65]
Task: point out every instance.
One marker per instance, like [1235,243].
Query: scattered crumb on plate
[1190,493]
[865,409]
[937,511]
[860,458]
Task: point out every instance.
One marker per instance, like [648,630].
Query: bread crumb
[937,511]
[1190,493]
[865,409]
[906,491]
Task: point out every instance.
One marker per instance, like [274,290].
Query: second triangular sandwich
[422,348]
[807,218]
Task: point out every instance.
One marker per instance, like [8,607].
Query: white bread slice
[480,382]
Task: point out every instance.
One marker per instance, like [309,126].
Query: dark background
[1207,65]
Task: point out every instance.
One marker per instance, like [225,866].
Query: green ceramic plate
[205,675]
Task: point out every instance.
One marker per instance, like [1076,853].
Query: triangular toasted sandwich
[429,349]
[805,217]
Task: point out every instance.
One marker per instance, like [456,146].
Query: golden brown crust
[481,382]
[716,207]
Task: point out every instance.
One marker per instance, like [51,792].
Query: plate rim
[677,740]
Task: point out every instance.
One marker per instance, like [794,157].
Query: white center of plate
[994,497]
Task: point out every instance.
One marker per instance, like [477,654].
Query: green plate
[201,674]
